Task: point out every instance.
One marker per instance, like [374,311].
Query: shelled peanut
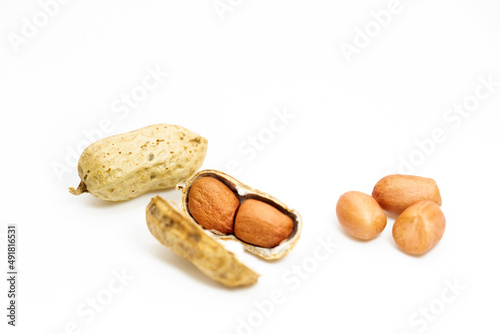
[420,224]
[360,215]
[419,227]
[396,192]
[261,224]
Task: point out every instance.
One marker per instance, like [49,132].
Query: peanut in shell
[261,224]
[213,205]
[244,192]
[128,165]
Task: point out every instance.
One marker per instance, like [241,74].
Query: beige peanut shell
[127,165]
[245,192]
[176,231]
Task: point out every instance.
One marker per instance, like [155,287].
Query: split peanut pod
[176,231]
[232,210]
[125,166]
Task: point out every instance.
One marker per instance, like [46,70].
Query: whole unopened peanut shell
[127,165]
[397,192]
[419,227]
[212,204]
[360,215]
[261,224]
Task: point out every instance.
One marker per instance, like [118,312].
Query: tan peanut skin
[177,232]
[360,215]
[213,205]
[261,224]
[419,227]
[128,165]
[396,192]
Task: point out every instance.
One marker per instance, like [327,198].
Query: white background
[353,122]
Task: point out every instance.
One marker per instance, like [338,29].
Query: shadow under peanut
[347,235]
[167,194]
[183,265]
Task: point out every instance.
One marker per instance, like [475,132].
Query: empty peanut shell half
[232,210]
[176,231]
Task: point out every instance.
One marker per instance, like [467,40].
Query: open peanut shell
[244,192]
[176,231]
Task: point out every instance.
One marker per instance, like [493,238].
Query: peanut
[212,204]
[397,192]
[261,224]
[125,166]
[360,215]
[264,225]
[419,227]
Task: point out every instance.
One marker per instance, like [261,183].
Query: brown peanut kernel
[261,224]
[360,215]
[419,227]
[213,205]
[396,192]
